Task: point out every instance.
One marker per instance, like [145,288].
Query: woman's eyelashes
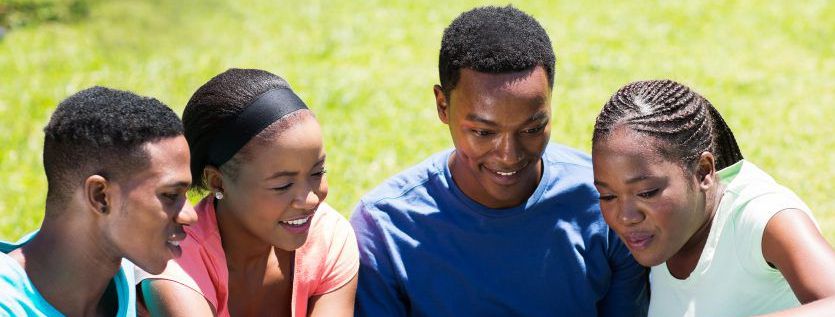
[281,188]
[644,194]
[607,197]
[286,186]
[648,193]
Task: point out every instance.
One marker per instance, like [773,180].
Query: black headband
[232,134]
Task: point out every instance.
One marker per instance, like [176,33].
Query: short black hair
[683,121]
[222,97]
[493,40]
[101,131]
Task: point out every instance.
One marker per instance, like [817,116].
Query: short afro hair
[101,131]
[493,40]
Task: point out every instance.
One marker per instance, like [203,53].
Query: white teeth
[174,243]
[297,222]
[506,174]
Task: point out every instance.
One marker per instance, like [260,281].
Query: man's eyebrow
[539,116]
[179,184]
[477,118]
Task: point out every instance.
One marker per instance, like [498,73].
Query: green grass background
[367,69]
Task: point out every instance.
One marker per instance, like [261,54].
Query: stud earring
[218,195]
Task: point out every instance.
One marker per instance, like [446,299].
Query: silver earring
[218,195]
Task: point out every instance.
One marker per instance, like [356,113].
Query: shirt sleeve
[750,223]
[628,293]
[377,289]
[342,257]
[10,307]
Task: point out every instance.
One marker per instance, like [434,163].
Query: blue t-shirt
[18,296]
[426,249]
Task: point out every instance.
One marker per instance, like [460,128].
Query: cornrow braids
[683,120]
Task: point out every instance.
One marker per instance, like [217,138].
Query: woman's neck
[682,264]
[242,247]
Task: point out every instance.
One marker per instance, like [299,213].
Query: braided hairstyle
[684,121]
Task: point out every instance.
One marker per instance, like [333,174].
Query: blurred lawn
[367,69]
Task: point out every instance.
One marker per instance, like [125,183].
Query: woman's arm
[169,298]
[337,303]
[792,243]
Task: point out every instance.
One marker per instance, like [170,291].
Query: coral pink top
[328,259]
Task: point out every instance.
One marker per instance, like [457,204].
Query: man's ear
[442,104]
[98,194]
[706,170]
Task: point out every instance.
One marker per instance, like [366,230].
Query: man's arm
[628,293]
[377,289]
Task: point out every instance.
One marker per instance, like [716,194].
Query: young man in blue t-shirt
[117,169]
[503,224]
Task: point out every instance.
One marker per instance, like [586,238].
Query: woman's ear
[98,194]
[213,178]
[706,170]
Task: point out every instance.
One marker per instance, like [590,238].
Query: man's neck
[70,265]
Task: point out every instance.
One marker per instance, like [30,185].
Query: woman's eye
[649,193]
[282,188]
[607,197]
[320,173]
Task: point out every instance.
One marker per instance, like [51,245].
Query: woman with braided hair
[722,238]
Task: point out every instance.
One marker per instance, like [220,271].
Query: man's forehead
[167,159]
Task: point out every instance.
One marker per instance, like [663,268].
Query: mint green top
[19,297]
[732,278]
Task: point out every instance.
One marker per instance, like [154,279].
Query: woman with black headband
[265,243]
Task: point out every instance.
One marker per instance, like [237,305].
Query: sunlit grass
[367,69]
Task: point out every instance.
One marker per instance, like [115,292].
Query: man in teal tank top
[117,169]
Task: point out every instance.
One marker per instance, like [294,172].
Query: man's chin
[153,266]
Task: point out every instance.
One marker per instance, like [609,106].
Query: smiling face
[150,206]
[500,125]
[279,186]
[654,205]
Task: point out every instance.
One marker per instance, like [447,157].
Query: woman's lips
[297,225]
[638,240]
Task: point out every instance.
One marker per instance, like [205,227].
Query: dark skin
[500,125]
[98,225]
[269,188]
[663,213]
